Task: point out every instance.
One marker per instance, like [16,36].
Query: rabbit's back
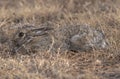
[81,38]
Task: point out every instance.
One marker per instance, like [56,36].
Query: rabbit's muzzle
[20,43]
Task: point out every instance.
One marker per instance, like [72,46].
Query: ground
[98,64]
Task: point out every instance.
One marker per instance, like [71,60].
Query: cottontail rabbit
[28,38]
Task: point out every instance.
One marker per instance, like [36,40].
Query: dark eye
[21,34]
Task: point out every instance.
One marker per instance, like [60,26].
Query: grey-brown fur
[81,38]
[28,38]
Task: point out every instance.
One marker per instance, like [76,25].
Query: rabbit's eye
[21,34]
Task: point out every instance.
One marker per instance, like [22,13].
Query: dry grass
[102,14]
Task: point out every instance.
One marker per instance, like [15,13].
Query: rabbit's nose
[12,52]
[3,37]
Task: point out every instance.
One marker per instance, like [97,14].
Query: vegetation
[98,64]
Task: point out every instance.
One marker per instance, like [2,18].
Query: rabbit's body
[29,38]
[82,38]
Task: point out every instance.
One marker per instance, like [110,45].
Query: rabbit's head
[25,35]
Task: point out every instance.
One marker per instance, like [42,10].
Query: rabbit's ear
[40,31]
